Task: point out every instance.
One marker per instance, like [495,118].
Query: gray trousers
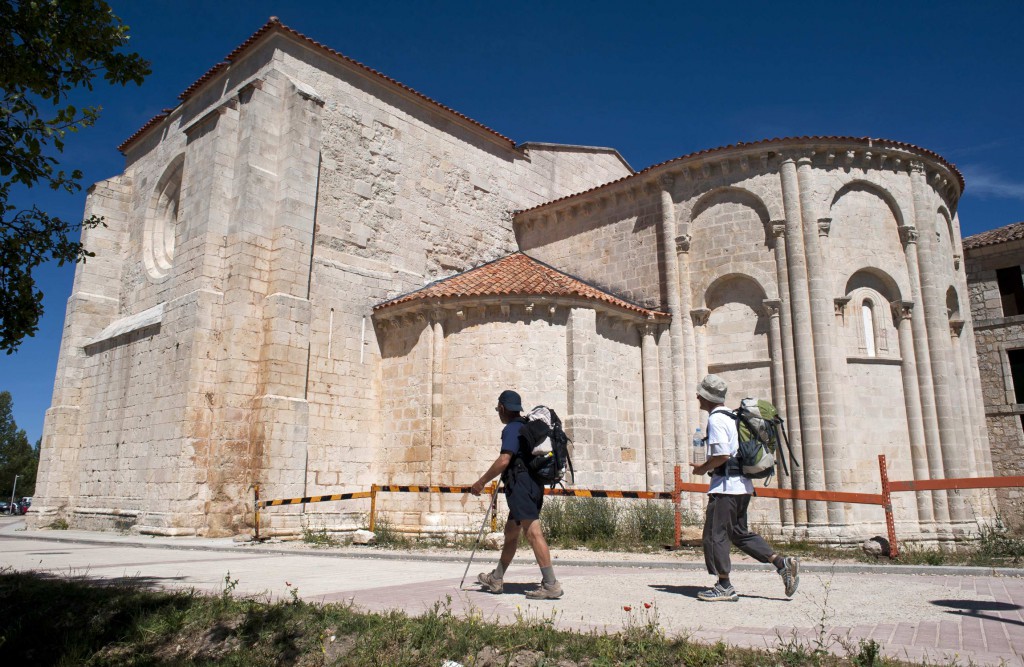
[725,523]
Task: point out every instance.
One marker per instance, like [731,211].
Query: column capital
[700,316]
[649,328]
[840,303]
[824,226]
[908,234]
[771,307]
[956,327]
[683,243]
[901,310]
[667,180]
[804,156]
[777,227]
[916,166]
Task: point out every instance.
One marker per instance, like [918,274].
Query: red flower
[627,608]
[647,605]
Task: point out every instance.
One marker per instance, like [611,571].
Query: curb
[839,568]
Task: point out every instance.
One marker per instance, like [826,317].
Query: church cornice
[862,152]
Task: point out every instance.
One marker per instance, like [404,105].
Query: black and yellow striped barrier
[415,488]
[313,499]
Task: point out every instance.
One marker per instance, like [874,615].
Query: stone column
[939,349]
[581,424]
[653,455]
[668,450]
[436,404]
[788,402]
[940,510]
[822,327]
[771,311]
[912,400]
[668,232]
[700,320]
[803,343]
[690,406]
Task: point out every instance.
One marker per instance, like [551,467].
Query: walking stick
[487,514]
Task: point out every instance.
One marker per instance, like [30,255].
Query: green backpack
[760,428]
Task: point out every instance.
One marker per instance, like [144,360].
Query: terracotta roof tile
[874,143]
[275,24]
[1013,232]
[515,275]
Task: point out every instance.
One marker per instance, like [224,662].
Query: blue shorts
[525,496]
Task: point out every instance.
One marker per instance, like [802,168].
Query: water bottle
[699,452]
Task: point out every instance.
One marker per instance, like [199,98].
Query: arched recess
[858,185]
[728,229]
[733,195]
[865,233]
[736,335]
[953,303]
[947,239]
[160,228]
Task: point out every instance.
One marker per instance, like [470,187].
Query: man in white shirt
[725,521]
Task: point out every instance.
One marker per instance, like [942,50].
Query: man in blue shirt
[525,497]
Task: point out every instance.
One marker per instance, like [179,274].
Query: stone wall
[997,334]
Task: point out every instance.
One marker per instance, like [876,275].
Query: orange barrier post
[373,506]
[890,524]
[494,514]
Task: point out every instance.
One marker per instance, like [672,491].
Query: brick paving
[968,618]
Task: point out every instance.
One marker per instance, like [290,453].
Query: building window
[1011,290]
[1017,373]
[868,316]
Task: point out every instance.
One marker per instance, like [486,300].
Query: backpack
[759,426]
[548,457]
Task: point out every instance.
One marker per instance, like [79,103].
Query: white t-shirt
[724,439]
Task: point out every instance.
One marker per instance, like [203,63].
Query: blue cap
[511,401]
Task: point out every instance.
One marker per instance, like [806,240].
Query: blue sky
[654,80]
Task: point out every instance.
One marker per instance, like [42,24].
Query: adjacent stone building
[994,262]
[314,278]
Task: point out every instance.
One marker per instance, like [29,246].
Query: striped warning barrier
[313,499]
[883,499]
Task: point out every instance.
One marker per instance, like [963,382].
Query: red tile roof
[515,275]
[870,142]
[1013,232]
[275,25]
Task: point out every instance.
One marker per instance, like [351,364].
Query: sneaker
[491,583]
[790,574]
[551,591]
[719,593]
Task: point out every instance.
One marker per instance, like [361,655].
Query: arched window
[868,317]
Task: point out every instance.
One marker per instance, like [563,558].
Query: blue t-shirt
[510,437]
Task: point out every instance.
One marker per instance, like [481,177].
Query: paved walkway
[967,615]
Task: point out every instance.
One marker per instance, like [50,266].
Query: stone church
[314,278]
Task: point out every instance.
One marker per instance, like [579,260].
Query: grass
[54,621]
[603,524]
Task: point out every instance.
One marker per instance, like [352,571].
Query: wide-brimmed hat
[511,400]
[712,388]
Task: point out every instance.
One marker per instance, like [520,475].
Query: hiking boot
[491,583]
[551,591]
[790,574]
[719,593]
